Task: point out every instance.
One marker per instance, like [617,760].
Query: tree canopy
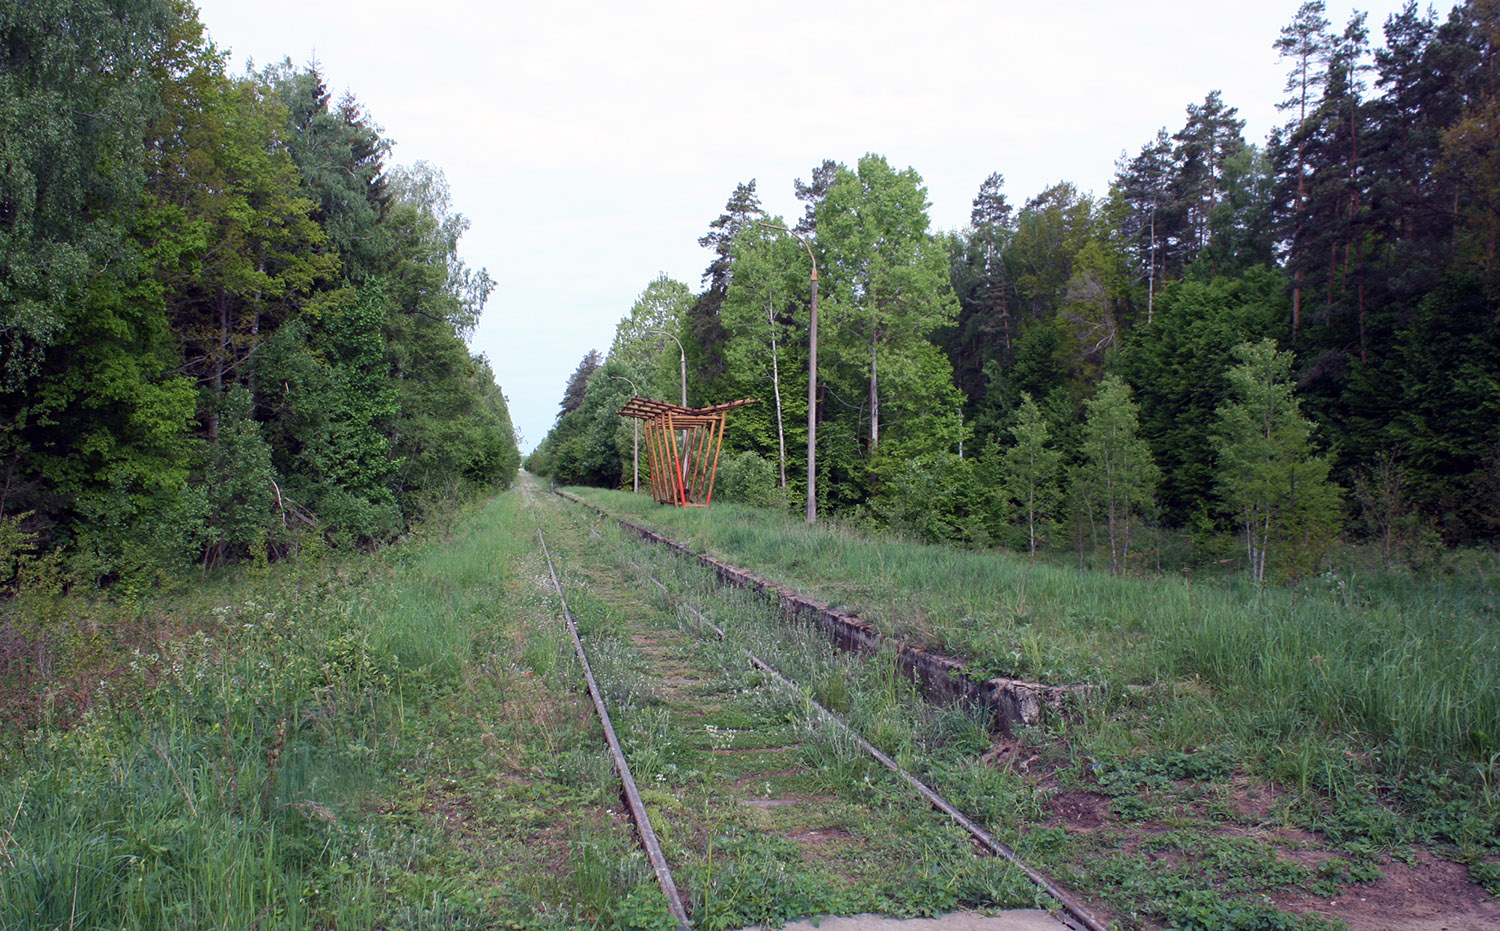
[225,321]
[1359,236]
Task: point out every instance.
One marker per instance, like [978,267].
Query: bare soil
[1427,894]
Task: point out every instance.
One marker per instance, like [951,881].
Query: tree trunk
[874,392]
[776,390]
[1031,508]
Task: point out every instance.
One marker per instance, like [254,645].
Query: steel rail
[632,795]
[1075,909]
[1076,912]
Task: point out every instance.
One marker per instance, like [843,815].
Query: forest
[229,326]
[274,651]
[1241,352]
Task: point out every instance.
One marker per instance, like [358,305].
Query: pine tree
[813,192]
[1150,219]
[578,383]
[703,325]
[1305,41]
[988,317]
[1205,144]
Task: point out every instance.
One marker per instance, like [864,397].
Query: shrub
[749,479]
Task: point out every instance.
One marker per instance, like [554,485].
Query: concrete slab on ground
[1020,919]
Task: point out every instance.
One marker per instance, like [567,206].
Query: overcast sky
[591,143]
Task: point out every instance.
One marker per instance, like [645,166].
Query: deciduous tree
[1030,468]
[887,288]
[1117,466]
[1270,477]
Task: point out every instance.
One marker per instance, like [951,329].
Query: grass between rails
[764,816]
[1373,703]
[402,742]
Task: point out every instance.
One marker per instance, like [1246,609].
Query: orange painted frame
[682,474]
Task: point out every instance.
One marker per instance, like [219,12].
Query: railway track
[1068,909]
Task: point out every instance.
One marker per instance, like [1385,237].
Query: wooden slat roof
[646,409]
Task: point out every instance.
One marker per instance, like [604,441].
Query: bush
[934,499]
[749,479]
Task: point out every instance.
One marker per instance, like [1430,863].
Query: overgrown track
[1009,701]
[1073,913]
[622,766]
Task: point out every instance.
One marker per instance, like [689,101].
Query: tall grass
[1406,670]
[216,783]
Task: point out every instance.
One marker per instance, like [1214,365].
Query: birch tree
[1117,466]
[1030,471]
[1268,476]
[764,314]
[888,288]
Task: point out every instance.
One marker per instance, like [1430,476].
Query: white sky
[590,143]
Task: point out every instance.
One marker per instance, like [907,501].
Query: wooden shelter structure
[682,447]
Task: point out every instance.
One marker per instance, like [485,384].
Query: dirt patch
[1428,895]
[1079,810]
[1255,803]
[813,842]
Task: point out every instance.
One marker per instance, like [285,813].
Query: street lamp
[812,378]
[682,468]
[683,353]
[635,442]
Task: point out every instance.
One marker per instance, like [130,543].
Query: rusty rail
[632,795]
[1076,911]
[1077,915]
[942,678]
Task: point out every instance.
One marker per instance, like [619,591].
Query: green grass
[401,740]
[236,776]
[1190,877]
[1371,703]
[704,758]
[1411,667]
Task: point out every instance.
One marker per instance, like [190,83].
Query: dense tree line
[226,322]
[1287,340]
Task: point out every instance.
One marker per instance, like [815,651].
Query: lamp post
[635,442]
[681,352]
[812,378]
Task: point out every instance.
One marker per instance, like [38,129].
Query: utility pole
[812,378]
